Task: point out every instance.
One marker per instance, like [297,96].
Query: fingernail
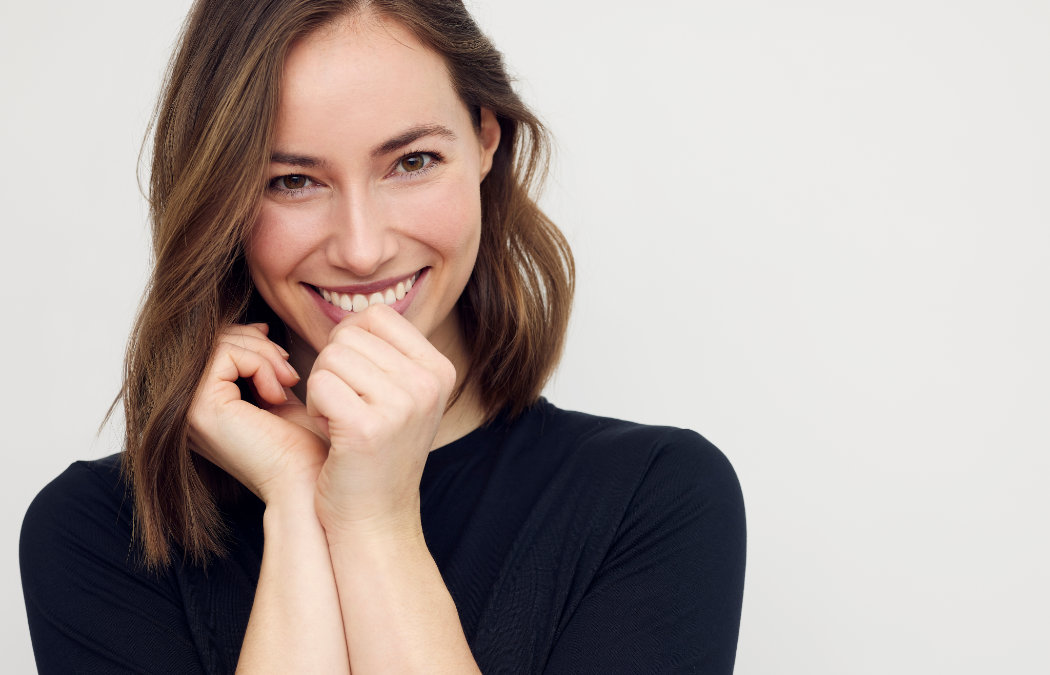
[291,369]
[282,350]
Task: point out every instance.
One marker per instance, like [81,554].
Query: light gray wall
[817,232]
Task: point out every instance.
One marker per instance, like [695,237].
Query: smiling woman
[388,192]
[336,451]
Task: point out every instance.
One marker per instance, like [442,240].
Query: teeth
[359,302]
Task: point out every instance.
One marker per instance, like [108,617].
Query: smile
[359,302]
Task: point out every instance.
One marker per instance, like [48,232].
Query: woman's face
[373,190]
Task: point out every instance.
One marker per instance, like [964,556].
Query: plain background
[817,232]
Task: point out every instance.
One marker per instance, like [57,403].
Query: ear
[488,135]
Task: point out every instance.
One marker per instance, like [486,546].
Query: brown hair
[212,140]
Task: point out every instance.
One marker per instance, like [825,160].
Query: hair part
[213,132]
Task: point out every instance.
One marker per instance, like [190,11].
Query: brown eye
[413,163]
[293,181]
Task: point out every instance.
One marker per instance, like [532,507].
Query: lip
[337,314]
[373,287]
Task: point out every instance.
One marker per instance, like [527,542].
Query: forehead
[364,73]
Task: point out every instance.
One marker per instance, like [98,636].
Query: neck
[462,417]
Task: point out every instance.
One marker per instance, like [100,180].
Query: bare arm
[382,389]
[274,450]
[346,578]
[395,604]
[295,624]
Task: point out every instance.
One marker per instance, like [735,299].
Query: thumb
[294,411]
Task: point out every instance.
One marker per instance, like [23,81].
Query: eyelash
[435,159]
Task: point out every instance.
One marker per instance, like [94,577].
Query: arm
[295,624]
[274,450]
[399,615]
[91,606]
[344,561]
[668,593]
[382,389]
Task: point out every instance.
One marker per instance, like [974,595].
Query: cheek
[446,218]
[278,242]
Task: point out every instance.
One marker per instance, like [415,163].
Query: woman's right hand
[271,448]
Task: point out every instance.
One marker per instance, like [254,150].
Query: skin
[347,581]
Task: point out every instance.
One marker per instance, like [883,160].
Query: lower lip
[337,314]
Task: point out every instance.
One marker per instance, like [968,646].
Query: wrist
[375,553]
[288,487]
[382,520]
[379,533]
[284,505]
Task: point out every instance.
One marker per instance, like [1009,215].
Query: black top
[570,544]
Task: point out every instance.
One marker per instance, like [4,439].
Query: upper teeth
[358,302]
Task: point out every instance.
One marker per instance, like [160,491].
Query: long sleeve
[667,597]
[569,543]
[91,607]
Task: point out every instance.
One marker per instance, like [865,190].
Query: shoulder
[664,457]
[639,481]
[657,533]
[76,538]
[81,517]
[87,497]
[91,604]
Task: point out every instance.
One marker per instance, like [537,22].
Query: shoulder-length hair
[213,132]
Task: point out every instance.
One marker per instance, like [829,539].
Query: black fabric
[570,544]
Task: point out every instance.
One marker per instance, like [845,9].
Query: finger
[253,332]
[294,410]
[233,362]
[371,346]
[384,322]
[253,341]
[397,331]
[258,329]
[247,335]
[358,372]
[327,395]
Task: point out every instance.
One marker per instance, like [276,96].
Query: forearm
[398,614]
[295,624]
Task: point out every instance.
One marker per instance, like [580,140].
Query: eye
[414,163]
[291,182]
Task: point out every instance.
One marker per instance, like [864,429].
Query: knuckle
[333,353]
[402,401]
[369,429]
[344,332]
[320,378]
[429,386]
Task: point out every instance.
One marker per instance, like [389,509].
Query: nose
[359,239]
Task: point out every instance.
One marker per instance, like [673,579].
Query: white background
[817,232]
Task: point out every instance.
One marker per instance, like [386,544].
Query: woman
[354,307]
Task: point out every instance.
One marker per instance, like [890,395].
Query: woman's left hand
[382,389]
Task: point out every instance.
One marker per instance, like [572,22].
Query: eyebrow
[406,137]
[412,135]
[292,159]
